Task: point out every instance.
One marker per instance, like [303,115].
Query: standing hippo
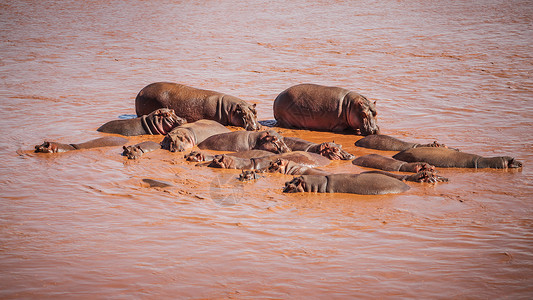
[196,104]
[236,141]
[317,107]
[389,143]
[328,149]
[53,147]
[449,158]
[191,134]
[377,161]
[160,121]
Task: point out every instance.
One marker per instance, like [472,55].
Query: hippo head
[248,175]
[278,166]
[245,116]
[363,116]
[426,176]
[334,151]
[296,185]
[164,120]
[272,141]
[223,162]
[195,156]
[46,147]
[132,152]
[177,141]
[511,162]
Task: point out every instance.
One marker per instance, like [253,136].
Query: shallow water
[84,225]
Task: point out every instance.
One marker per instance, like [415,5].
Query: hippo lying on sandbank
[196,104]
[53,147]
[389,143]
[367,183]
[160,121]
[329,149]
[317,107]
[449,158]
[377,161]
[237,141]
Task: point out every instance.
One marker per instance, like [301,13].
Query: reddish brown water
[83,225]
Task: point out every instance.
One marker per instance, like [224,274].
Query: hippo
[268,140]
[329,149]
[196,104]
[363,184]
[137,150]
[377,161]
[53,147]
[262,163]
[285,166]
[366,183]
[389,143]
[197,156]
[326,108]
[160,121]
[189,135]
[450,158]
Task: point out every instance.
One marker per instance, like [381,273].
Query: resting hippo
[329,149]
[389,143]
[196,104]
[377,161]
[318,107]
[364,184]
[160,121]
[191,134]
[449,158]
[260,163]
[288,167]
[196,156]
[137,150]
[53,147]
[236,141]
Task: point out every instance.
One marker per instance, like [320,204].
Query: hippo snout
[370,130]
[252,126]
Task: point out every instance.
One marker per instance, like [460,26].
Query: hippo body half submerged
[449,158]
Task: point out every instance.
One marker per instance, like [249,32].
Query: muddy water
[84,225]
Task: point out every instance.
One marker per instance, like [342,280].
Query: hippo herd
[195,118]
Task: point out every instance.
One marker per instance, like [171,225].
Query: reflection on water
[83,223]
